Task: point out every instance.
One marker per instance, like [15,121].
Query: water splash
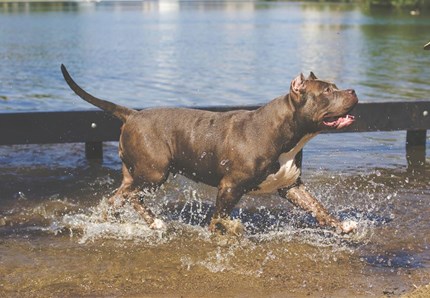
[265,218]
[218,260]
[101,223]
[193,213]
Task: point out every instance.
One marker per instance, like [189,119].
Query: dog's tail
[119,111]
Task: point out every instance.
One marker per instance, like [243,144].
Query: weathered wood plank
[94,150]
[391,116]
[98,126]
[58,127]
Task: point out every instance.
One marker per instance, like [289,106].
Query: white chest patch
[288,172]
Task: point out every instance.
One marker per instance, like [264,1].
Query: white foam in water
[99,223]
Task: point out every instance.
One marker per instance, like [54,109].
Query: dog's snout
[352,96]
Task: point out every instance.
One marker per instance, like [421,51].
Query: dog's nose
[351,91]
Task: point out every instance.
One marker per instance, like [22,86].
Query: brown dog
[238,152]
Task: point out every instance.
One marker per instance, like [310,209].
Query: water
[54,236]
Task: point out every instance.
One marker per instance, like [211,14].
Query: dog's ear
[298,84]
[312,76]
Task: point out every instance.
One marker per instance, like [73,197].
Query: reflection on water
[56,235]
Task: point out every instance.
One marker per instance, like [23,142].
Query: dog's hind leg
[118,199]
[123,190]
[150,178]
[145,212]
[130,191]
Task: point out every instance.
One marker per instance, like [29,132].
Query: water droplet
[224,162]
[21,196]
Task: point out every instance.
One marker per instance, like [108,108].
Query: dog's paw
[348,226]
[158,224]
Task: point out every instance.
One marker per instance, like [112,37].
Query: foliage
[400,3]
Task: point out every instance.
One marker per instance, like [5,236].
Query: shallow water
[56,240]
[57,237]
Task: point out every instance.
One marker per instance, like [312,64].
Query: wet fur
[238,152]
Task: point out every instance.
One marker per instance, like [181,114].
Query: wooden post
[416,148]
[94,150]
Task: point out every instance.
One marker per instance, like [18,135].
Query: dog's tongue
[340,122]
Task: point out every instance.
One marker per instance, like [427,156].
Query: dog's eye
[327,90]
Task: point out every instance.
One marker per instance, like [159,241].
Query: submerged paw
[226,226]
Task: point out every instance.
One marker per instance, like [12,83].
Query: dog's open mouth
[339,122]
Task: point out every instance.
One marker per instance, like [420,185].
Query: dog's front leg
[228,196]
[299,196]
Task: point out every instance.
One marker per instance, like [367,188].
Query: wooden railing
[95,127]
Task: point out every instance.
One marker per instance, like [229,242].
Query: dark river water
[54,238]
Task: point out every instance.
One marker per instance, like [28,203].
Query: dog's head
[321,103]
